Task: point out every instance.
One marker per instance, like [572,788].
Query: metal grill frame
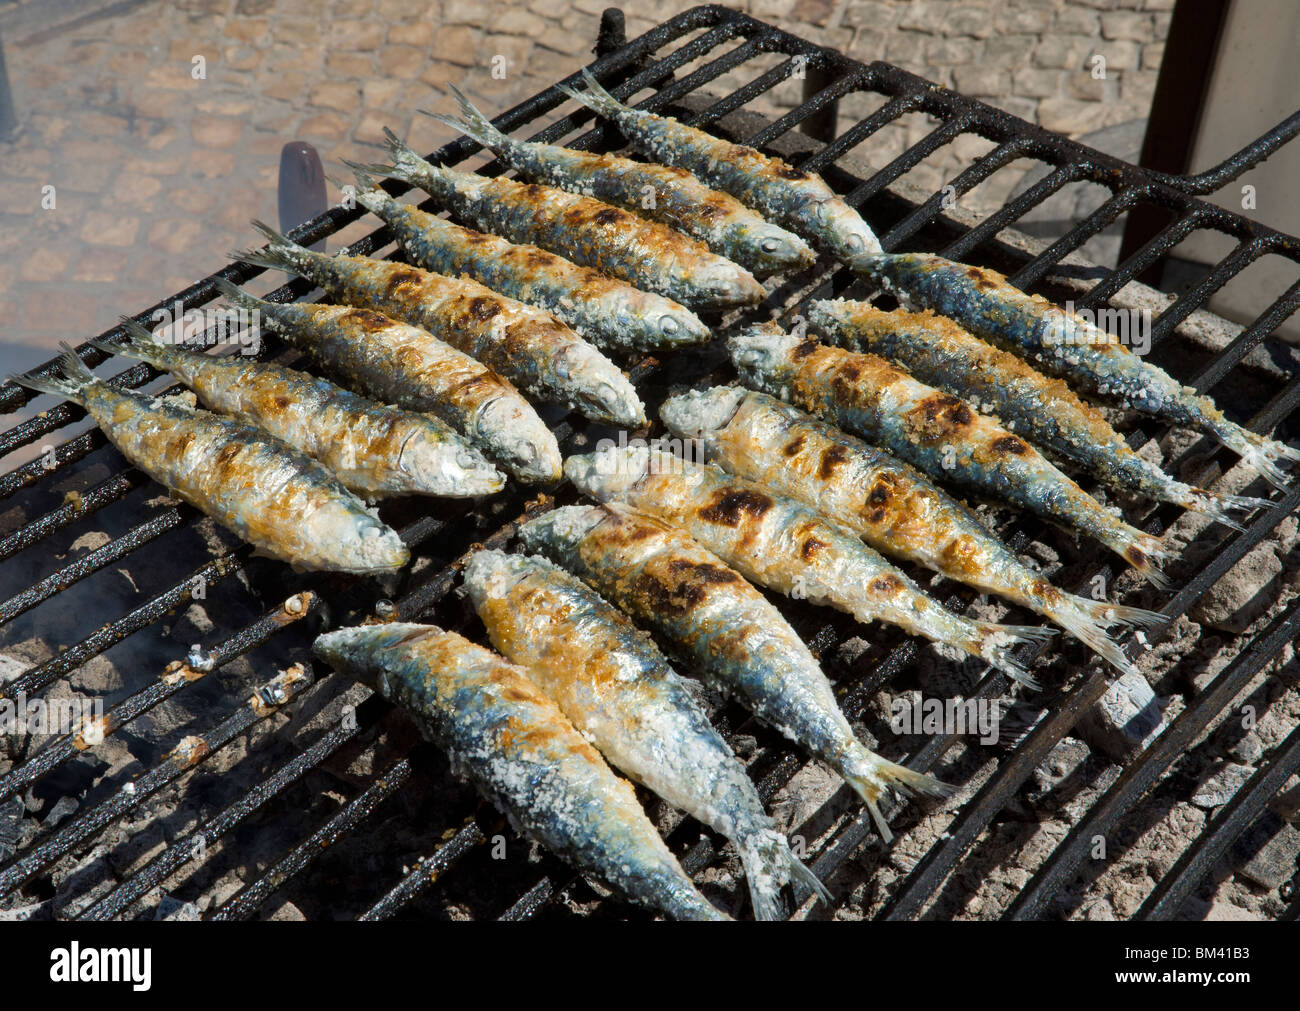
[628,68]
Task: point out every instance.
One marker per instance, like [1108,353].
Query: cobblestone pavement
[156,168]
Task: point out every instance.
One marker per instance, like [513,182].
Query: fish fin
[803,875]
[1124,614]
[1259,451]
[765,856]
[141,344]
[407,165]
[997,641]
[870,775]
[280,254]
[474,125]
[1088,621]
[68,380]
[237,295]
[595,98]
[1220,507]
[1154,553]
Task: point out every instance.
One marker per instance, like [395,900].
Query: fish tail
[370,194]
[1088,621]
[1259,451]
[238,296]
[69,381]
[407,164]
[595,98]
[141,345]
[870,776]
[803,874]
[769,864]
[1220,507]
[1153,554]
[280,254]
[474,124]
[995,642]
[1124,614]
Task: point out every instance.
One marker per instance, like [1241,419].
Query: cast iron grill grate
[698,40]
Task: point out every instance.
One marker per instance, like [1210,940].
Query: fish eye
[856,243]
[770,245]
[668,325]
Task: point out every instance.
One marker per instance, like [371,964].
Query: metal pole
[301,193]
[821,124]
[8,121]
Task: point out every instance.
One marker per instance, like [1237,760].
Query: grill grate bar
[1042,264]
[427,872]
[73,573]
[1173,890]
[967,180]
[1033,900]
[210,573]
[1229,267]
[169,684]
[113,490]
[1273,317]
[180,760]
[976,813]
[823,102]
[182,851]
[1011,212]
[907,161]
[247,901]
[855,135]
[1143,258]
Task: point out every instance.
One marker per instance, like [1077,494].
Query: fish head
[729,285]
[602,390]
[762,349]
[492,574]
[612,470]
[679,326]
[848,233]
[365,652]
[560,529]
[698,413]
[519,439]
[775,250]
[424,454]
[378,548]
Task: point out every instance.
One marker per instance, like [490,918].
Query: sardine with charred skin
[782,544]
[528,346]
[662,192]
[722,626]
[588,232]
[1044,411]
[892,506]
[799,200]
[619,691]
[1066,344]
[372,448]
[502,733]
[611,313]
[933,430]
[282,502]
[402,364]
